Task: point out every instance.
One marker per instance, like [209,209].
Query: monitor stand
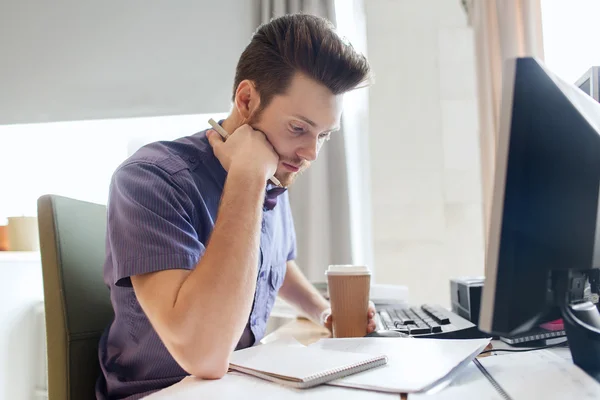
[581,319]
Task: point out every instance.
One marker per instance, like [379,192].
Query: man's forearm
[298,291]
[221,288]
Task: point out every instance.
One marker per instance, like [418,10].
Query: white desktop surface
[469,388]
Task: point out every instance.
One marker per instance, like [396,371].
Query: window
[570,36]
[76,158]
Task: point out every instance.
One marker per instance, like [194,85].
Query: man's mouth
[291,167]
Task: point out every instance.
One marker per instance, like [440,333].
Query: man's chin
[286,178]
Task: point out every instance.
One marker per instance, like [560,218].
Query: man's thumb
[213,138]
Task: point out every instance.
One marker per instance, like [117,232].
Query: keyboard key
[435,327]
[403,316]
[422,327]
[410,314]
[384,324]
[421,314]
[386,319]
[416,330]
[435,314]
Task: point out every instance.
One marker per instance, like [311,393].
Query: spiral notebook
[301,367]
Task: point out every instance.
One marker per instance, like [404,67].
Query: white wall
[22,361]
[425,168]
[77,60]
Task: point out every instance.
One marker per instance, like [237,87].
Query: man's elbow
[201,354]
[209,371]
[203,363]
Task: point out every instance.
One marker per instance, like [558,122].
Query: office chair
[77,302]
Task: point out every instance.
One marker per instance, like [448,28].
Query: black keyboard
[431,321]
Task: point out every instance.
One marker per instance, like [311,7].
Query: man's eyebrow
[313,124]
[308,121]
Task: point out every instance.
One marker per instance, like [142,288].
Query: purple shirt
[162,208]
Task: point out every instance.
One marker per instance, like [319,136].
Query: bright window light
[570,30]
[76,158]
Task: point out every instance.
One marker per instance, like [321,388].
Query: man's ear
[247,99]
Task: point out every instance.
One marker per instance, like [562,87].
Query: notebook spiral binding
[491,379]
[331,375]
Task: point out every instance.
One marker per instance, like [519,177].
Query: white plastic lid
[348,270]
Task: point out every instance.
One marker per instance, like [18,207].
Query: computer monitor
[544,241]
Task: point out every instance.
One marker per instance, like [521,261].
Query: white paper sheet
[541,374]
[236,386]
[470,384]
[413,364]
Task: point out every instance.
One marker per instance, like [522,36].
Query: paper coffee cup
[349,287]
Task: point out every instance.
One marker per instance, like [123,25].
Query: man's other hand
[326,318]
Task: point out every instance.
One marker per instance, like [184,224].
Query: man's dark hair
[299,43]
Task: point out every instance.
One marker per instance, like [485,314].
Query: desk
[307,332]
[234,385]
[303,330]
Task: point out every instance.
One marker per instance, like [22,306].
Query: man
[198,243]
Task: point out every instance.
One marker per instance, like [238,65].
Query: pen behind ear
[225,135]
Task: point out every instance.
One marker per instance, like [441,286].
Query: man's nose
[309,149]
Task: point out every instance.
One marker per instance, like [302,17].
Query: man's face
[297,124]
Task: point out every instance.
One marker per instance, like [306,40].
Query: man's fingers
[325,317]
[213,138]
[371,309]
[371,327]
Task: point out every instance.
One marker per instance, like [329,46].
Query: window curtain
[320,198]
[503,29]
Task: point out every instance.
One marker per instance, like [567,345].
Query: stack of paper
[414,364]
[540,374]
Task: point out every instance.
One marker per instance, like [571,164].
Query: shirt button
[264,226]
[192,160]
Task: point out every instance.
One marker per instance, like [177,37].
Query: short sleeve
[150,224]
